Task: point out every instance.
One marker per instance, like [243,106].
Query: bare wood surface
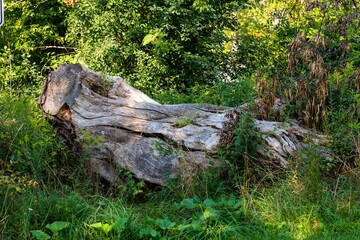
[153,141]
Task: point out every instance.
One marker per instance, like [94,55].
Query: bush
[221,93]
[28,146]
[154,45]
[32,41]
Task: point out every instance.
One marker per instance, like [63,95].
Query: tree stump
[154,141]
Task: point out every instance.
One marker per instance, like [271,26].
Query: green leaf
[57,226]
[187,203]
[210,213]
[104,227]
[40,235]
[182,227]
[164,223]
[196,199]
[232,202]
[201,6]
[209,202]
[149,38]
[120,224]
[148,231]
[198,226]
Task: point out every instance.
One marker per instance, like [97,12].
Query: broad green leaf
[187,203]
[120,224]
[209,202]
[40,235]
[231,202]
[210,213]
[149,38]
[104,227]
[97,225]
[57,226]
[182,227]
[164,223]
[148,231]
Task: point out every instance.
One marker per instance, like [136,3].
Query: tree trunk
[127,129]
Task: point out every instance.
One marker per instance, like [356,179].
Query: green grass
[271,213]
[45,191]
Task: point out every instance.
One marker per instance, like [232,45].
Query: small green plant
[236,154]
[220,218]
[183,121]
[103,86]
[117,227]
[89,139]
[40,235]
[55,227]
[158,228]
[163,148]
[130,187]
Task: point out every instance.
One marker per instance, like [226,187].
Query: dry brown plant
[70,2]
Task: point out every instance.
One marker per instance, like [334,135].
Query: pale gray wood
[153,141]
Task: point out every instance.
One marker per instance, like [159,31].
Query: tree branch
[55,47]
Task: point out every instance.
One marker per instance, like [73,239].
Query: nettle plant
[202,219]
[56,228]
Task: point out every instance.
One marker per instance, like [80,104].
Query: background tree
[153,44]
[31,40]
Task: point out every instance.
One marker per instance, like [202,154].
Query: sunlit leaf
[182,227]
[210,213]
[40,235]
[104,227]
[57,226]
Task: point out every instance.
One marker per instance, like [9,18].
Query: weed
[183,121]
[55,227]
[163,148]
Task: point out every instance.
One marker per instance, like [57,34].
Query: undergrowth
[220,93]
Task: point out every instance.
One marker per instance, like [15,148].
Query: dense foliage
[30,41]
[153,44]
[305,53]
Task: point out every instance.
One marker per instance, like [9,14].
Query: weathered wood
[153,141]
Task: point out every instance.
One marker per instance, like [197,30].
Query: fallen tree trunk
[153,141]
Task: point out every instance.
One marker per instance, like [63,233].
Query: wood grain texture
[153,141]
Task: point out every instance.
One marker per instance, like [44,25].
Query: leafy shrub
[154,45]
[344,112]
[32,41]
[29,147]
[221,93]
